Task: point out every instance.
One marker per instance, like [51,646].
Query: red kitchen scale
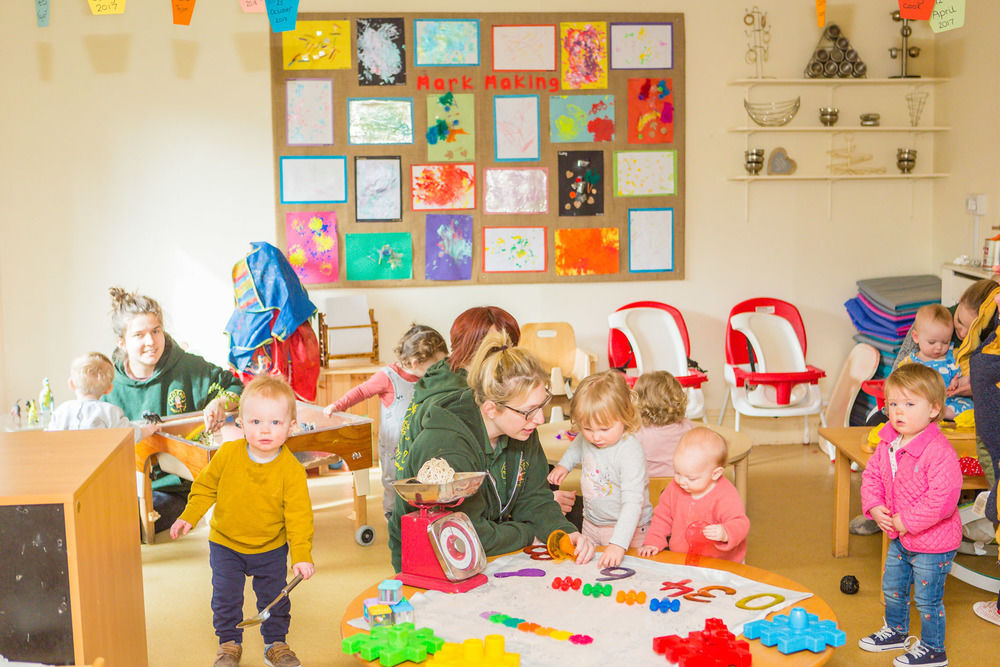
[441,550]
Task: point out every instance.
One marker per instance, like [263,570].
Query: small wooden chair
[554,343]
[656,487]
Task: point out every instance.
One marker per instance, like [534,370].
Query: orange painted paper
[586,252]
[820,13]
[98,7]
[182,9]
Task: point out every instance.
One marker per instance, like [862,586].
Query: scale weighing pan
[414,492]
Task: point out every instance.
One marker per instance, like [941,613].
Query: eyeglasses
[530,414]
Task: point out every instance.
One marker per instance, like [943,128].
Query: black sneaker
[886,639]
[921,654]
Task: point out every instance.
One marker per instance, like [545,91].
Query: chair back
[620,352]
[736,341]
[656,487]
[655,339]
[861,363]
[776,349]
[554,343]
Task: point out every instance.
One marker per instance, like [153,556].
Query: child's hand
[612,556]
[960,385]
[565,500]
[215,414]
[716,532]
[881,516]
[647,550]
[557,475]
[328,410]
[147,430]
[583,547]
[897,524]
[180,527]
[304,569]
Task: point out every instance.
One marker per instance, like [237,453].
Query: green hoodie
[181,382]
[453,429]
[437,383]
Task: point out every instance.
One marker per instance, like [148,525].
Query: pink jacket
[924,492]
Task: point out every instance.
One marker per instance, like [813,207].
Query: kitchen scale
[441,550]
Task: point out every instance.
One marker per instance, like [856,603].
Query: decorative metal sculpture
[835,58]
[915,105]
[758,38]
[845,161]
[906,51]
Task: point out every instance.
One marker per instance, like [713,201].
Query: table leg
[147,515]
[740,472]
[841,505]
[361,489]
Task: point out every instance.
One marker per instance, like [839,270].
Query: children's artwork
[451,127]
[378,191]
[645,173]
[309,112]
[448,247]
[524,48]
[587,118]
[584,55]
[586,252]
[442,187]
[515,128]
[307,180]
[581,183]
[516,190]
[650,239]
[317,45]
[446,42]
[513,249]
[642,46]
[311,245]
[386,256]
[650,111]
[380,120]
[381,52]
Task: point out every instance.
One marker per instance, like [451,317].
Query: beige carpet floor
[790,507]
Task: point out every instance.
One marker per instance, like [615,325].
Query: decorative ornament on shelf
[758,38]
[915,105]
[779,164]
[772,114]
[835,58]
[753,160]
[905,52]
[844,161]
[906,158]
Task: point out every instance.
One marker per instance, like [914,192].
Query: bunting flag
[42,13]
[820,13]
[98,7]
[182,9]
[919,10]
[252,6]
[282,14]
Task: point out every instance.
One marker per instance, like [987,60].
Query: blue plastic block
[798,631]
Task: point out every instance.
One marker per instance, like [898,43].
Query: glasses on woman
[530,414]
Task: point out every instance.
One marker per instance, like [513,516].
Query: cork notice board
[440,149]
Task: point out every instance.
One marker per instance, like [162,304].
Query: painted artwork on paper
[642,46]
[515,128]
[446,42]
[581,183]
[309,112]
[311,245]
[650,111]
[442,187]
[516,190]
[587,118]
[586,252]
[448,247]
[387,256]
[378,190]
[381,52]
[380,120]
[645,173]
[584,51]
[524,48]
[650,239]
[305,180]
[451,131]
[317,45]
[513,249]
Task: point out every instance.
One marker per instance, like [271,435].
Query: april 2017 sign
[947,15]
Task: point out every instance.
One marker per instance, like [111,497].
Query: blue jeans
[926,573]
[229,572]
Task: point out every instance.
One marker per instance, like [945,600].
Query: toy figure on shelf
[32,413]
[15,414]
[45,402]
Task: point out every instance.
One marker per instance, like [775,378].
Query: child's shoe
[279,655]
[921,654]
[886,639]
[987,610]
[228,655]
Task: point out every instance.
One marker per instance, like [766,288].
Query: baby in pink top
[662,404]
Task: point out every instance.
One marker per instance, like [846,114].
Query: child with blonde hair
[419,348]
[262,514]
[910,487]
[662,404]
[699,504]
[90,377]
[616,508]
[932,332]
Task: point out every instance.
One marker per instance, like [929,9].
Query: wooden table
[763,656]
[346,435]
[740,445]
[72,584]
[849,441]
[336,380]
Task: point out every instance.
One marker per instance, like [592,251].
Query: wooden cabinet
[71,581]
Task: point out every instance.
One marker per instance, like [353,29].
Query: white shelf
[836,82]
[841,129]
[838,177]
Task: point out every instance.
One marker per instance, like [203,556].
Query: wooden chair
[656,487]
[554,343]
[861,363]
[326,355]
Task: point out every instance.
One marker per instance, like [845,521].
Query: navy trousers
[229,572]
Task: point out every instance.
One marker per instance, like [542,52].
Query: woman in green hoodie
[490,427]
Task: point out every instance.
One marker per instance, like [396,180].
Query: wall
[138,153]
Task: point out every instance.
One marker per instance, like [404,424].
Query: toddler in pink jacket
[910,488]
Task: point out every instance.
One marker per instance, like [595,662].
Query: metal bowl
[828,115]
[464,485]
[772,114]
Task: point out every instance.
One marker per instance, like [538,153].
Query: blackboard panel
[36,621]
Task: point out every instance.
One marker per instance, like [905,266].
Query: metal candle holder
[906,51]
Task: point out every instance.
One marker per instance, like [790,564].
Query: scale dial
[457,546]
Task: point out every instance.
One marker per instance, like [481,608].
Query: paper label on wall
[948,15]
[98,7]
[919,10]
[253,6]
[282,14]
[182,9]
[42,13]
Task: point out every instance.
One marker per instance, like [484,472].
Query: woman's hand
[647,550]
[960,385]
[583,547]
[566,499]
[612,556]
[557,475]
[215,414]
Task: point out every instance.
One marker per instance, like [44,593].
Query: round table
[763,656]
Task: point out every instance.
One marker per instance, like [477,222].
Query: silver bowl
[753,160]
[414,492]
[906,159]
[828,115]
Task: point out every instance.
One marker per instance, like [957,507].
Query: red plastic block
[714,646]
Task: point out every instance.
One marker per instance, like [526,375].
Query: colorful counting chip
[663,605]
[631,597]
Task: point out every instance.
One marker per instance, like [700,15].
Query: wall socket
[975,204]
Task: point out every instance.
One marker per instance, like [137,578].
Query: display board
[436,149]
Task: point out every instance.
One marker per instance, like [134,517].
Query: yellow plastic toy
[488,652]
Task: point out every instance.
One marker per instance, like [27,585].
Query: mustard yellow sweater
[258,506]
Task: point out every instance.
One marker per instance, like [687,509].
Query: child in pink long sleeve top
[910,488]
[699,498]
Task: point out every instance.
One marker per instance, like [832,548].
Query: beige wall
[138,153]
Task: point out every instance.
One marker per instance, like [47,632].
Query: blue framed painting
[516,131]
[650,240]
[446,42]
[313,180]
